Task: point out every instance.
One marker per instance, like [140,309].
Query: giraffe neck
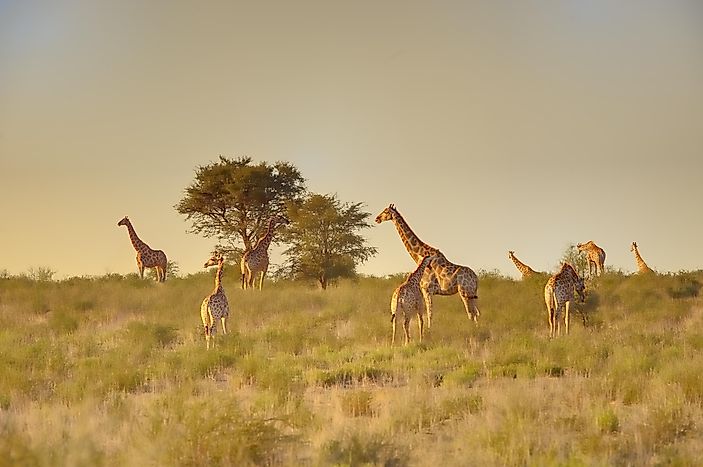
[415,276]
[522,267]
[136,241]
[218,276]
[640,262]
[265,241]
[416,247]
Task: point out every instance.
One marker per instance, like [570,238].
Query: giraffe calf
[408,299]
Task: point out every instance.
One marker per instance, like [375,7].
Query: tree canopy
[231,199]
[578,260]
[323,239]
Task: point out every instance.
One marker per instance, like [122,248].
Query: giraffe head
[511,254]
[279,220]
[585,246]
[124,221]
[387,214]
[633,247]
[214,260]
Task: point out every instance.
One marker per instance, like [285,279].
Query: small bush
[608,421]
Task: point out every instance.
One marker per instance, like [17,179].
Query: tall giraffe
[558,294]
[595,255]
[442,277]
[408,299]
[215,305]
[641,265]
[146,257]
[522,267]
[256,260]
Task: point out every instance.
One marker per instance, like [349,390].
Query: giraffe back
[560,287]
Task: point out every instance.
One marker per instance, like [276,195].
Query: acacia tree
[232,199]
[323,238]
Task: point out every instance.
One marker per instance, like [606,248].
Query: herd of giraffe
[215,307]
[434,275]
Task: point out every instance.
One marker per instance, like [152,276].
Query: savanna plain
[113,370]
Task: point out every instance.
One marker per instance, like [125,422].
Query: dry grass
[113,371]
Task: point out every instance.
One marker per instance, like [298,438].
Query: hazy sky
[492,125]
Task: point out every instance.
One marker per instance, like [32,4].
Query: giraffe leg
[261,279]
[566,317]
[250,279]
[427,297]
[469,305]
[420,322]
[393,324]
[140,266]
[224,327]
[406,328]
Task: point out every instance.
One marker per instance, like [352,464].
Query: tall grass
[113,371]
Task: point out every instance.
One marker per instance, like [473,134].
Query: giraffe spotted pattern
[442,277]
[215,306]
[407,299]
[558,295]
[146,257]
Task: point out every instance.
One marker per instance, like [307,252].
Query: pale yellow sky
[493,126]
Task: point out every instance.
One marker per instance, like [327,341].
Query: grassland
[114,371]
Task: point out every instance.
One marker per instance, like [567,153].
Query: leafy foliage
[232,199]
[578,260]
[40,274]
[323,238]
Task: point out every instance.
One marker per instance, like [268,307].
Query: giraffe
[442,277]
[215,305]
[408,299]
[559,292]
[595,255]
[522,267]
[146,257]
[641,265]
[256,260]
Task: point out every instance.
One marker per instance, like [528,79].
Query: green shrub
[608,421]
[361,448]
